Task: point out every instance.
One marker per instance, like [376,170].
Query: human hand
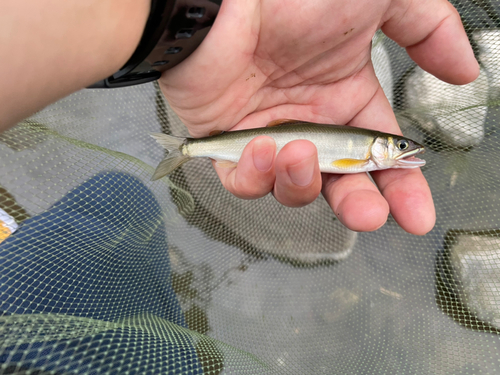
[310,60]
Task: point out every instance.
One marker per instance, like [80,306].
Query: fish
[341,148]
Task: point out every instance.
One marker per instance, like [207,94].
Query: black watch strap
[175,28]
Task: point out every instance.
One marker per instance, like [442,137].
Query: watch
[174,29]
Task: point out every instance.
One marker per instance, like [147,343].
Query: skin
[52,48]
[262,60]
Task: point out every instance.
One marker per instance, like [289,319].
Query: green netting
[112,273]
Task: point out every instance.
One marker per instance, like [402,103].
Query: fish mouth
[409,160]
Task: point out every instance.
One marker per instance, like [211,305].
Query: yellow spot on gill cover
[348,163]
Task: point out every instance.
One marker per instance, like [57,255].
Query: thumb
[434,37]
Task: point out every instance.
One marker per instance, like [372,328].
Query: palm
[277,73]
[295,59]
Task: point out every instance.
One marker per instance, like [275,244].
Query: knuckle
[250,190]
[244,186]
[298,198]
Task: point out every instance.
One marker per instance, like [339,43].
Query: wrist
[174,29]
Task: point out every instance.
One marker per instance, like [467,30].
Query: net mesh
[110,273]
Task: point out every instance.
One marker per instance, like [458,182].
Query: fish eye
[403,145]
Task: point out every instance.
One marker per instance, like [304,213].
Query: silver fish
[341,149]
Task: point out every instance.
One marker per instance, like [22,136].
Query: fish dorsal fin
[280,122]
[215,132]
[347,164]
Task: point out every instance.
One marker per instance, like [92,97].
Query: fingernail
[263,154]
[302,173]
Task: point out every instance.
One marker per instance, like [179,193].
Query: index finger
[409,198]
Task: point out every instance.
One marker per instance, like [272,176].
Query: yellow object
[7,225]
[4,231]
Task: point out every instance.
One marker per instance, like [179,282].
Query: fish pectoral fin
[280,122]
[349,163]
[225,164]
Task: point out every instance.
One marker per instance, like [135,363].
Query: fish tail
[174,159]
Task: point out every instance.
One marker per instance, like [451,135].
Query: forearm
[49,49]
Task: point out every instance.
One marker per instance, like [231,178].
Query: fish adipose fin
[281,122]
[174,159]
[215,132]
[349,163]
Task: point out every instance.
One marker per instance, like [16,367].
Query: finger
[356,201]
[254,175]
[409,198]
[377,114]
[406,190]
[434,37]
[298,179]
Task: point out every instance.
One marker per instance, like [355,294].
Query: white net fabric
[110,273]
